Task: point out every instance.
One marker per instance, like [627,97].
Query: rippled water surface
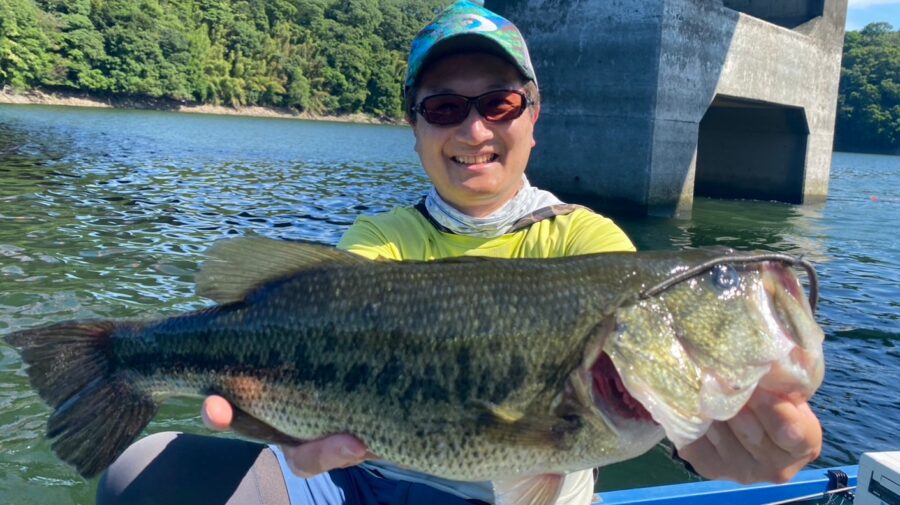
[106,214]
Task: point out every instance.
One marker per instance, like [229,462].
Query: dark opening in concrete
[749,149]
[786,13]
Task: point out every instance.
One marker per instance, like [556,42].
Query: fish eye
[726,277]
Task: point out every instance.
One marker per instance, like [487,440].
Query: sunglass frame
[470,100]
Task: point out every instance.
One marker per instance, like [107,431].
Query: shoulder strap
[427,215]
[539,215]
[560,209]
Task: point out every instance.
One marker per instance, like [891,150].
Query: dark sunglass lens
[445,109]
[501,105]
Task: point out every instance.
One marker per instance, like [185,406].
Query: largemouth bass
[467,368]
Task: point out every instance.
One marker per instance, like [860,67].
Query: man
[472,101]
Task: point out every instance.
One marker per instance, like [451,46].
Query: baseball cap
[465,26]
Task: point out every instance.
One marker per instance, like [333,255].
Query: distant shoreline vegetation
[321,57]
[68,97]
[331,59]
[868,113]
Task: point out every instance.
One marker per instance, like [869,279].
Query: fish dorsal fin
[235,267]
[540,489]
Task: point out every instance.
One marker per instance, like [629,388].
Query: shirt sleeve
[366,239]
[592,233]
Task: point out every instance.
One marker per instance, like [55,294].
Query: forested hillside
[321,56]
[869,98]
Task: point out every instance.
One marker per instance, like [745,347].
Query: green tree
[77,46]
[384,88]
[869,97]
[25,58]
[323,56]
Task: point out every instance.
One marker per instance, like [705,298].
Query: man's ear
[536,111]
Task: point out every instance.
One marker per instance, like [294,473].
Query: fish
[515,371]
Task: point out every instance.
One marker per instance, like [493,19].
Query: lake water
[105,213]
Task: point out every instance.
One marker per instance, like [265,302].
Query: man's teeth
[474,160]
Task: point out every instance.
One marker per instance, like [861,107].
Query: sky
[862,12]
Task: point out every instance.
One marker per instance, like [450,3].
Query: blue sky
[862,12]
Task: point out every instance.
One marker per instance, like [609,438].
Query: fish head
[694,347]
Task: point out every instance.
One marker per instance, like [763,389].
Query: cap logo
[478,23]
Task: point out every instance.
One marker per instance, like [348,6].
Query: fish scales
[433,340]
[469,368]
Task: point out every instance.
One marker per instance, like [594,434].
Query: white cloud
[862,4]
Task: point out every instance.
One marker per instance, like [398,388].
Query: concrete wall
[626,84]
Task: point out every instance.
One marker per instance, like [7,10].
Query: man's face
[477,165]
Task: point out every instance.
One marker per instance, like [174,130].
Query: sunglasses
[494,106]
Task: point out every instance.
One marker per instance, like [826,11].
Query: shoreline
[77,99]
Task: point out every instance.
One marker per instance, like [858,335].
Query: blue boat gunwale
[806,483]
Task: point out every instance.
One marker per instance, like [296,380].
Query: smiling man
[472,100]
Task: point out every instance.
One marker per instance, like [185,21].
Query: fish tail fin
[98,411]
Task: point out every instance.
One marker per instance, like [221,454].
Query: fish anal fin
[540,489]
[236,267]
[509,424]
[242,390]
[252,427]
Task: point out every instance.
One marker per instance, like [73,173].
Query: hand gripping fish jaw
[693,347]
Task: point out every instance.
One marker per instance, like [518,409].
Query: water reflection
[125,219]
[743,225]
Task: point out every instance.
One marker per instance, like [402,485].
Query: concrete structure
[648,103]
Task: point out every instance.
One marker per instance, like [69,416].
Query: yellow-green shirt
[404,234]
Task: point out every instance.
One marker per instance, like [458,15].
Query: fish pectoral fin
[501,413]
[540,489]
[252,427]
[236,267]
[508,424]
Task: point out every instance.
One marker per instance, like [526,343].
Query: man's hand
[305,460]
[770,440]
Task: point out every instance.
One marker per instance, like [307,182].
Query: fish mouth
[790,315]
[611,397]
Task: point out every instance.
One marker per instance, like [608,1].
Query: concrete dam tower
[648,103]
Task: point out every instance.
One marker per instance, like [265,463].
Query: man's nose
[474,129]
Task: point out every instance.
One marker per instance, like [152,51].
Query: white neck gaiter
[499,222]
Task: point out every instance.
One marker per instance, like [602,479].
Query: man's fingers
[305,460]
[791,426]
[773,463]
[216,413]
[336,451]
[704,458]
[732,452]
[739,451]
